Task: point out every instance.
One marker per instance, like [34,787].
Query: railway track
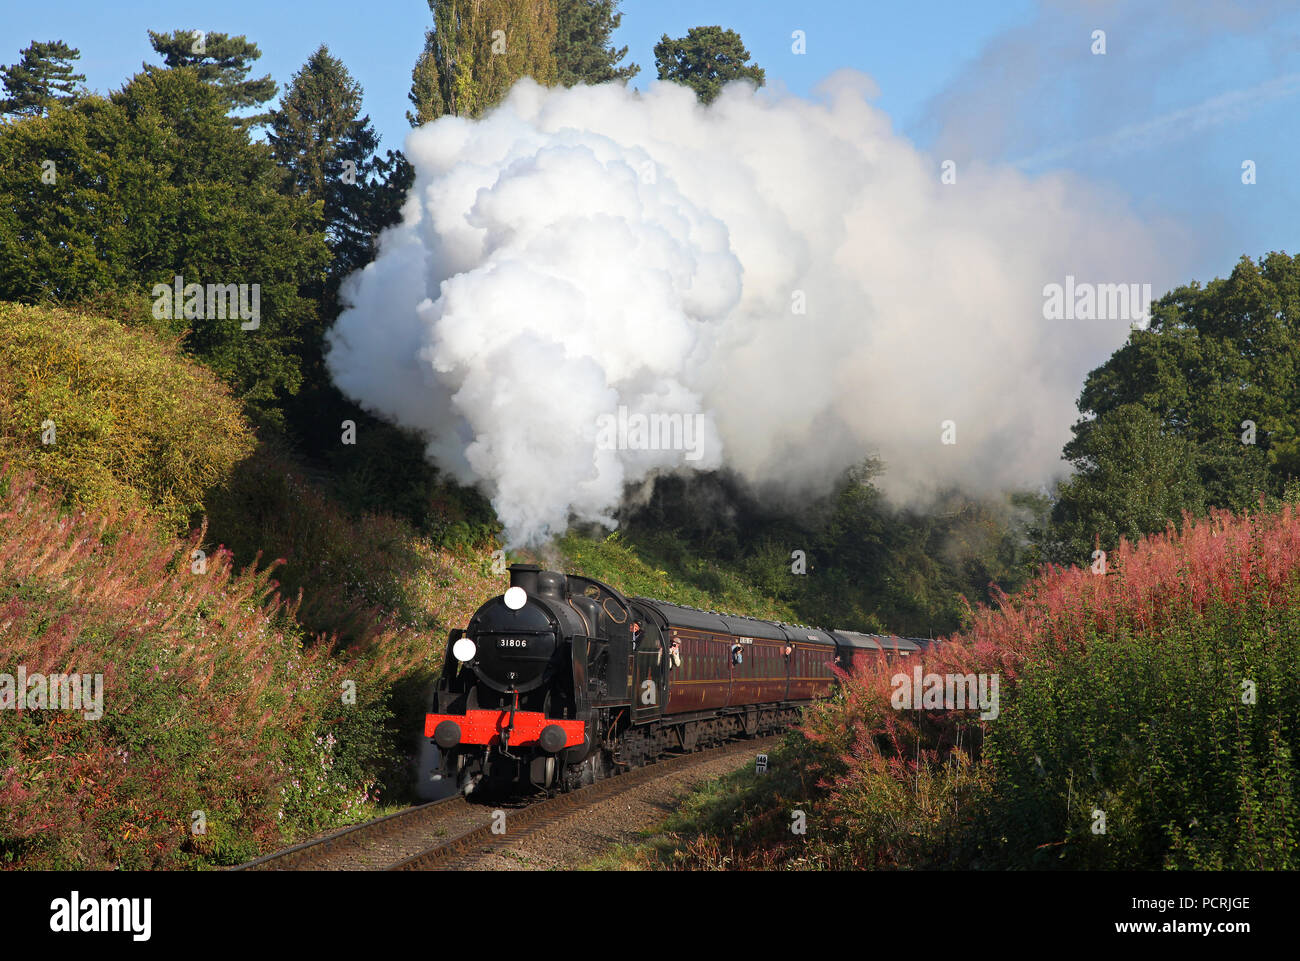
[444,835]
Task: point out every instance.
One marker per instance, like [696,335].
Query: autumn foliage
[1149,717]
[103,411]
[213,704]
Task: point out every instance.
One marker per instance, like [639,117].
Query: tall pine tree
[476,51]
[704,60]
[583,52]
[41,79]
[327,149]
[221,60]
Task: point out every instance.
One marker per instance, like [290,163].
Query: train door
[798,689]
[649,689]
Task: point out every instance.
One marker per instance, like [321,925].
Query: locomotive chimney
[525,576]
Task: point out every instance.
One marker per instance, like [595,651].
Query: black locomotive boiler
[562,680]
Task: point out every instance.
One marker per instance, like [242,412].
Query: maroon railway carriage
[731,663]
[856,649]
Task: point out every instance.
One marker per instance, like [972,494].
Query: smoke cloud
[790,278]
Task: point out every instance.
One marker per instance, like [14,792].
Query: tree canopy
[583,51]
[327,149]
[219,59]
[125,193]
[476,51]
[1199,410]
[43,77]
[706,59]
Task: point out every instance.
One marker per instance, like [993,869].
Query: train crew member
[737,655]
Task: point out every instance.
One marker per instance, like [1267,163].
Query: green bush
[132,420]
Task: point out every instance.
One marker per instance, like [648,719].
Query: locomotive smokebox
[525,576]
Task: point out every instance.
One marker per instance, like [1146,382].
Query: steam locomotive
[562,680]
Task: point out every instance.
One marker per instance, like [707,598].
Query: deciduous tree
[476,51]
[1199,410]
[154,182]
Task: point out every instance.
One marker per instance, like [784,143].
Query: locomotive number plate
[512,642]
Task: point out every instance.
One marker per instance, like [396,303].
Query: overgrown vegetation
[215,714]
[124,426]
[109,413]
[1149,718]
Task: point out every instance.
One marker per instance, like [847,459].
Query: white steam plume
[577,251]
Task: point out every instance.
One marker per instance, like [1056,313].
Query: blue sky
[1186,91]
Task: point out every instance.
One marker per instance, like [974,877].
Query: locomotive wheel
[593,768]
